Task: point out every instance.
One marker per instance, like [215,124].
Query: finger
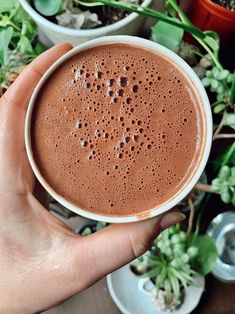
[13,160]
[117,245]
[21,90]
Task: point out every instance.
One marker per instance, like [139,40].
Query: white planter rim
[99,31]
[207,121]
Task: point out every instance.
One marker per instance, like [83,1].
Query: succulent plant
[218,81]
[225,184]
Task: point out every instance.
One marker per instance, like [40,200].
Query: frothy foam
[116,130]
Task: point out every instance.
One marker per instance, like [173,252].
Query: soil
[108,15]
[228,4]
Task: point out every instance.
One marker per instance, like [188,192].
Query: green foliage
[94,228]
[229,120]
[206,253]
[17,31]
[175,258]
[225,184]
[219,82]
[48,7]
[5,38]
[167,35]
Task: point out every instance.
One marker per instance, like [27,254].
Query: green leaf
[230,120]
[218,108]
[175,238]
[215,71]
[48,7]
[100,225]
[25,46]
[5,38]
[209,74]
[230,78]
[167,35]
[39,48]
[192,251]
[87,231]
[207,253]
[220,97]
[214,83]
[220,89]
[206,81]
[231,181]
[185,258]
[227,196]
[7,5]
[233,172]
[222,75]
[212,40]
[225,173]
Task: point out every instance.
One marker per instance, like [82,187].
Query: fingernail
[171,219]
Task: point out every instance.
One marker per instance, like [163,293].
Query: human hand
[42,261]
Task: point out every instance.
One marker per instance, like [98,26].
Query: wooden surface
[95,300]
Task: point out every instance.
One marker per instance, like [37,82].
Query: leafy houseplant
[68,20]
[173,261]
[70,13]
[18,43]
[218,15]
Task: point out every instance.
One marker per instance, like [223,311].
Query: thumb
[118,244]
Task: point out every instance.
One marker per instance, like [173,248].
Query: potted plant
[176,261]
[18,42]
[47,15]
[216,15]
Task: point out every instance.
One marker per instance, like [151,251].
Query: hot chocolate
[116,130]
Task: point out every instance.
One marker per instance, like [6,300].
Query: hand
[42,261]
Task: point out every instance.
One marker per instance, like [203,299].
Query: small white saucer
[124,290]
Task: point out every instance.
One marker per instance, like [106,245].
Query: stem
[184,23]
[205,188]
[131,7]
[180,12]
[191,216]
[223,135]
[220,126]
[186,20]
[210,52]
[228,155]
[198,222]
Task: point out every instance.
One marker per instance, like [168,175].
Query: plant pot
[208,15]
[129,25]
[126,291]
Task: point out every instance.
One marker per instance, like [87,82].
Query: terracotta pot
[208,15]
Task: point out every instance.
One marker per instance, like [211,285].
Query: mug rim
[206,116]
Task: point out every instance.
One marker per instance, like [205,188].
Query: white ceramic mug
[129,25]
[207,126]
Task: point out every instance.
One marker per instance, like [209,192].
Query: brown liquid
[117,130]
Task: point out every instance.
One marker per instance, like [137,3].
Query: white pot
[126,290]
[129,25]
